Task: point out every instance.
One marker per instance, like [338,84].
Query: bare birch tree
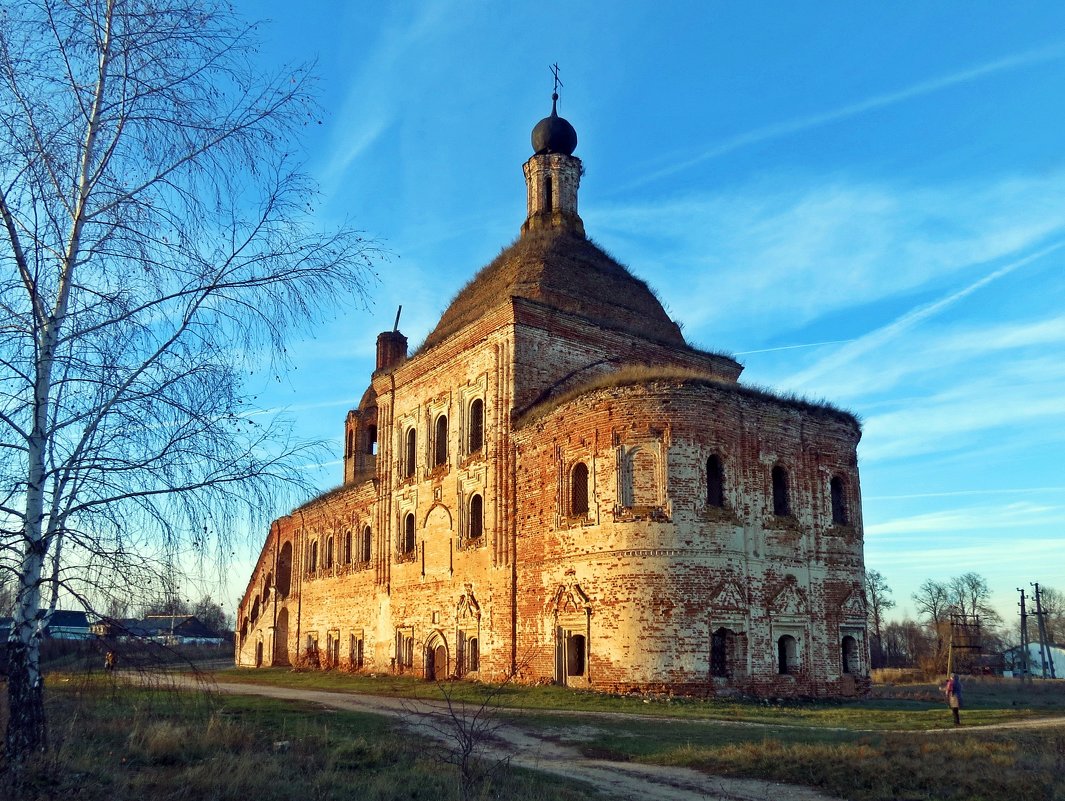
[157,247]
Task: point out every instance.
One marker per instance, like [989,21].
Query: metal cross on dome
[554,71]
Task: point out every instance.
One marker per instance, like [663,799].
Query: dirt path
[619,780]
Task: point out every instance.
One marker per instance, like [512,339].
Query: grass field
[113,742]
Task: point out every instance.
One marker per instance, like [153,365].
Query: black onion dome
[554,134]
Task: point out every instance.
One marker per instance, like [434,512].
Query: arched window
[849,648]
[781,501]
[255,609]
[839,501]
[787,655]
[371,440]
[440,442]
[411,453]
[347,548]
[408,534]
[329,554]
[284,570]
[366,538]
[472,656]
[578,490]
[312,559]
[476,528]
[476,425]
[351,443]
[715,482]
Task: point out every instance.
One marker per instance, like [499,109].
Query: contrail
[777,130]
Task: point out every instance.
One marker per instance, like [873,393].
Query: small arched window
[578,490]
[347,548]
[312,560]
[366,538]
[849,649]
[476,425]
[839,501]
[476,528]
[329,553]
[781,501]
[440,442]
[715,482]
[411,453]
[371,440]
[408,534]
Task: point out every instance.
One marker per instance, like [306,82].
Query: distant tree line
[924,643]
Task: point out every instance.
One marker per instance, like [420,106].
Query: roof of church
[562,269]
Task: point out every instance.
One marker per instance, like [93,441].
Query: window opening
[408,534]
[313,561]
[472,655]
[578,505]
[476,425]
[440,442]
[839,503]
[411,454]
[347,548]
[715,482]
[476,517]
[351,443]
[371,440]
[722,643]
[781,502]
[329,554]
[366,538]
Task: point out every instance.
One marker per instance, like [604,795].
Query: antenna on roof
[399,311]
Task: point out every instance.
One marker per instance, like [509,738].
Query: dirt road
[619,780]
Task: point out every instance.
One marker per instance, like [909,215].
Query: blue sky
[864,202]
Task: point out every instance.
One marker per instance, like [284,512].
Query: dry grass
[649,374]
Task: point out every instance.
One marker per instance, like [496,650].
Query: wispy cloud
[971,519]
[877,339]
[789,127]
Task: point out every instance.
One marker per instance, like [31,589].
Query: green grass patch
[916,708]
[111,742]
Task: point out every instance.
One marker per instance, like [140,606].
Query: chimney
[391,350]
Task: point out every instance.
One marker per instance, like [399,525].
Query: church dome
[563,270]
[554,134]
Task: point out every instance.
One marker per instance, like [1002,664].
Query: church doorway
[436,659]
[259,653]
[281,638]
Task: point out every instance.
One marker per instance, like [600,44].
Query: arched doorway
[259,653]
[436,658]
[849,647]
[281,638]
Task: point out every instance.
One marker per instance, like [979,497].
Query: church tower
[553,175]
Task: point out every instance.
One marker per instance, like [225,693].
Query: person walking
[953,693]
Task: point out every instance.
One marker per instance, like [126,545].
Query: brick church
[558,487]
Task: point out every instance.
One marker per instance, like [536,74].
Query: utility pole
[1026,674]
[1045,654]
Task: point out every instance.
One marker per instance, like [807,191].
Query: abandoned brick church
[556,485]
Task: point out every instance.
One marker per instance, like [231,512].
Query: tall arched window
[715,482]
[476,425]
[408,534]
[440,442]
[578,490]
[476,528]
[839,501]
[284,570]
[781,501]
[347,548]
[351,443]
[329,554]
[366,538]
[312,559]
[410,453]
[371,440]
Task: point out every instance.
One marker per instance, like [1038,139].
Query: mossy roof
[562,269]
